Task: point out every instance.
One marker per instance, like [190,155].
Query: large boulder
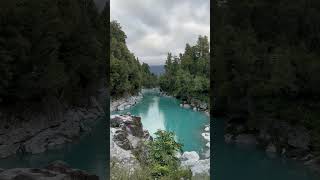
[190,156]
[120,138]
[134,126]
[55,171]
[192,160]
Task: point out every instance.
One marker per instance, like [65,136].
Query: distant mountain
[157,69]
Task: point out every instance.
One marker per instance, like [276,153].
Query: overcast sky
[156,27]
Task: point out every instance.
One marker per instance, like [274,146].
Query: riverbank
[57,170]
[33,132]
[127,137]
[282,139]
[125,102]
[197,105]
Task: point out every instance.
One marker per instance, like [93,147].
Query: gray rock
[8,149]
[120,138]
[271,148]
[228,138]
[314,164]
[246,139]
[203,106]
[55,171]
[299,137]
[134,126]
[38,144]
[115,122]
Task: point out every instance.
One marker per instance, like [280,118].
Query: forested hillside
[266,68]
[187,76]
[127,75]
[50,48]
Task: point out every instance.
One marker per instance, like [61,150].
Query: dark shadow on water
[233,162]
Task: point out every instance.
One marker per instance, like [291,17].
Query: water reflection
[153,118]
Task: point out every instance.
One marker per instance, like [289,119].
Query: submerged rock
[271,148]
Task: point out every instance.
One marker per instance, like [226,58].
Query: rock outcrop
[126,136]
[31,132]
[278,137]
[56,171]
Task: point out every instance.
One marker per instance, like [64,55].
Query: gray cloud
[156,27]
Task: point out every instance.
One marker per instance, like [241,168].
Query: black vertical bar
[107,45]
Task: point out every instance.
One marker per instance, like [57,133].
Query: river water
[165,113]
[234,162]
[88,153]
[230,162]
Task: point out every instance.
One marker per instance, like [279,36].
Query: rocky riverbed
[127,136]
[57,170]
[125,102]
[282,139]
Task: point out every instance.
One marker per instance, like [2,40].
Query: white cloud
[155,27]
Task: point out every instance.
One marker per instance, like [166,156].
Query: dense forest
[127,75]
[187,76]
[50,48]
[266,66]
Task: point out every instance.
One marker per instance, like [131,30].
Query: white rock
[121,107]
[208,144]
[192,161]
[187,106]
[127,106]
[207,128]
[178,155]
[190,156]
[206,136]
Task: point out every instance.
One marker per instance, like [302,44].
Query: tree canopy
[127,75]
[266,62]
[50,48]
[187,76]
